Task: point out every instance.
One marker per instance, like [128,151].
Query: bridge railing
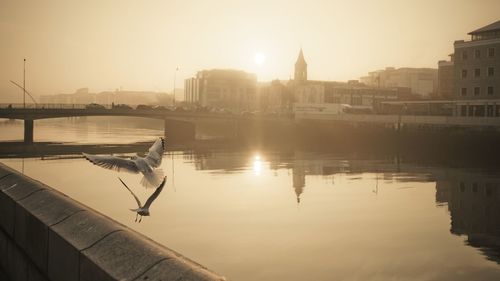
[46,106]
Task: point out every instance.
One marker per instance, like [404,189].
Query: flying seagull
[144,210]
[145,165]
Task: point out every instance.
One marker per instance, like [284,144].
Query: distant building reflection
[302,164]
[474,206]
[473,199]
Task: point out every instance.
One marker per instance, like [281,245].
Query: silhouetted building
[328,96]
[275,97]
[235,90]
[351,93]
[127,97]
[83,96]
[477,72]
[420,81]
[446,80]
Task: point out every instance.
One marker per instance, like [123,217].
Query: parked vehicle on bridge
[161,107]
[203,109]
[95,106]
[121,106]
[225,111]
[357,109]
[180,109]
[247,114]
[144,107]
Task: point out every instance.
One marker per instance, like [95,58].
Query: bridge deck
[33,112]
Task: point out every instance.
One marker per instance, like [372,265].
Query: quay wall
[45,235]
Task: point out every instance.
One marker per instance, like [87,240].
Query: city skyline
[105,46]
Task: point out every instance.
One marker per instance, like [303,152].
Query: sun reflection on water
[257,165]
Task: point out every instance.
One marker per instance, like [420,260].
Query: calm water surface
[290,215]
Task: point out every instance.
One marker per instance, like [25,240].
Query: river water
[267,214]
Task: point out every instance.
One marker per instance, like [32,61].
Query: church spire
[300,68]
[300,59]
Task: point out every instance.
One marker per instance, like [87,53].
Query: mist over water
[288,214]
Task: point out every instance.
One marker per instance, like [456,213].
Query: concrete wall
[45,235]
[403,119]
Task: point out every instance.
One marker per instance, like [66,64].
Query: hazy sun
[259,58]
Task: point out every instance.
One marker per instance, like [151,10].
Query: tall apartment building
[477,73]
[222,88]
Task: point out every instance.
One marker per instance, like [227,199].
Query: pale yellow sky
[105,44]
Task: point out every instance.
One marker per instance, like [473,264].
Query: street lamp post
[24,84]
[175,76]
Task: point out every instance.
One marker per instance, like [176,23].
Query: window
[463,110]
[464,92]
[491,52]
[356,100]
[491,71]
[464,55]
[328,97]
[476,91]
[464,73]
[490,90]
[477,54]
[477,72]
[474,187]
[489,110]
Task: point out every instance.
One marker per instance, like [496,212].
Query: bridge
[179,124]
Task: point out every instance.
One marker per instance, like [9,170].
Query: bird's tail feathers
[154,179]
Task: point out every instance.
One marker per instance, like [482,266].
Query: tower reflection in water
[474,204]
[472,198]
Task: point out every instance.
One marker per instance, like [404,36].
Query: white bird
[145,165]
[144,210]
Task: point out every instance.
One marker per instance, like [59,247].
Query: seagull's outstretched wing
[155,194]
[135,197]
[112,163]
[156,153]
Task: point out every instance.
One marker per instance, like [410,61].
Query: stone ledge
[69,237]
[69,241]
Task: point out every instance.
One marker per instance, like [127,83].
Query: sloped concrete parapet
[45,235]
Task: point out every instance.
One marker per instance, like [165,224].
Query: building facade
[420,81]
[234,90]
[275,97]
[324,95]
[446,79]
[477,73]
[477,64]
[83,96]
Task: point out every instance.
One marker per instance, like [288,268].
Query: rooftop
[490,27]
[490,31]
